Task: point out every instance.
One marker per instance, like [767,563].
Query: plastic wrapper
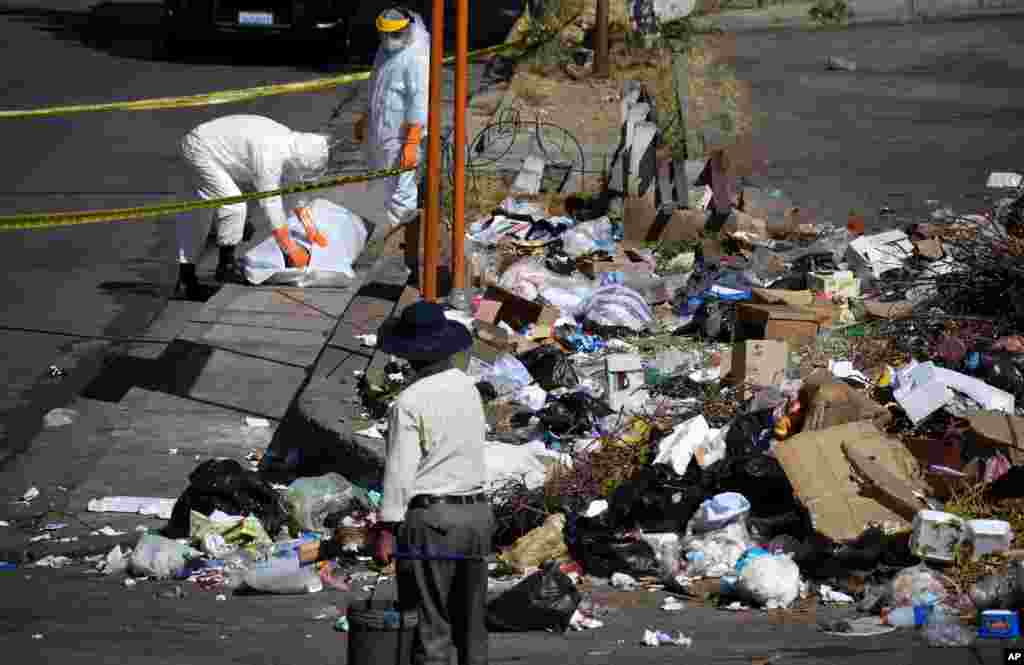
[237,531]
[916,582]
[159,557]
[719,511]
[508,375]
[771,581]
[617,306]
[546,600]
[589,237]
[311,500]
[545,543]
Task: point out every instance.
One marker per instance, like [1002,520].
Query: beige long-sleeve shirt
[436,433]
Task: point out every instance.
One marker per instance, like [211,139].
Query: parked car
[321,26]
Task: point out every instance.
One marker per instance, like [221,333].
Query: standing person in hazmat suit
[393,126]
[257,153]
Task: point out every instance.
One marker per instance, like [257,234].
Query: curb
[803,24]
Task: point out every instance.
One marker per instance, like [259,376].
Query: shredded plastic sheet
[137,505]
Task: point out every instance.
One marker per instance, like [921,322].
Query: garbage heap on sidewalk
[749,410]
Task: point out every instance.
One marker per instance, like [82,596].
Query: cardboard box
[759,362]
[619,263]
[842,283]
[823,477]
[782,322]
[498,306]
[639,218]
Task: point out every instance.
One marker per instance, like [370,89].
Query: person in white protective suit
[255,153]
[393,126]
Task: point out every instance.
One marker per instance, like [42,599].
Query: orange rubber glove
[411,149]
[295,256]
[359,130]
[305,216]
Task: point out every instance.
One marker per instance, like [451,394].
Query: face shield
[395,30]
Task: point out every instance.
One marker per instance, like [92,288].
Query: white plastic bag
[311,500]
[506,462]
[508,374]
[689,438]
[281,572]
[715,553]
[719,511]
[771,581]
[346,239]
[594,236]
[617,306]
[159,557]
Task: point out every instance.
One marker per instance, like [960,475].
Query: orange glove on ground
[411,149]
[305,216]
[359,130]
[295,255]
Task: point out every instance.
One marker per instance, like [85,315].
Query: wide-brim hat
[423,333]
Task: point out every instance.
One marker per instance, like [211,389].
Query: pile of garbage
[801,413]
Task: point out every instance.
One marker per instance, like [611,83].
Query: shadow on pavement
[174,372]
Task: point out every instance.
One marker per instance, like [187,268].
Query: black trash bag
[745,432]
[487,392]
[550,367]
[557,418]
[1009,486]
[543,601]
[655,500]
[602,555]
[1005,375]
[224,485]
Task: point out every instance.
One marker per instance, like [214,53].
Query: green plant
[829,13]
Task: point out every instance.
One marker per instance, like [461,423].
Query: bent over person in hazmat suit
[257,153]
[393,127]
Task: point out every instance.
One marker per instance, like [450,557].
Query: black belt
[427,500]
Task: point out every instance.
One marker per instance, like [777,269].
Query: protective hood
[419,39]
[310,152]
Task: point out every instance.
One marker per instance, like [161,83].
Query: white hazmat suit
[398,99]
[248,151]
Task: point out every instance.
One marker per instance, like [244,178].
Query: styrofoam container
[989,536]
[935,535]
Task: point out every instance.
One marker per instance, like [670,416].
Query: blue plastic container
[999,625]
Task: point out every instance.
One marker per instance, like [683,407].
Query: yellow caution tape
[45,220]
[222,96]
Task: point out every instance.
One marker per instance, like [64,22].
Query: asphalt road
[929,112]
[68,289]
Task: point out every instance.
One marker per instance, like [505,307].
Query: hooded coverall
[238,151]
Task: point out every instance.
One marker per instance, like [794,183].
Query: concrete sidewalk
[793,16]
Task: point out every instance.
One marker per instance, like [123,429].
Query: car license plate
[255,18]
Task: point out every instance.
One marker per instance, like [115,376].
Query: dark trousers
[442,572]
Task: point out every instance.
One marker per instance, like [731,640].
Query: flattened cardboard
[824,480]
[899,492]
[999,430]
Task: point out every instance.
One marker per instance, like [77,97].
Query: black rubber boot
[227,265]
[189,282]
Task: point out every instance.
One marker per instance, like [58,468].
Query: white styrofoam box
[990,397]
[998,180]
[922,400]
[879,253]
[935,535]
[988,536]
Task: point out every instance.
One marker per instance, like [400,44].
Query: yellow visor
[389,25]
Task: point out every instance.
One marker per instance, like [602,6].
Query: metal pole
[602,68]
[431,235]
[461,99]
